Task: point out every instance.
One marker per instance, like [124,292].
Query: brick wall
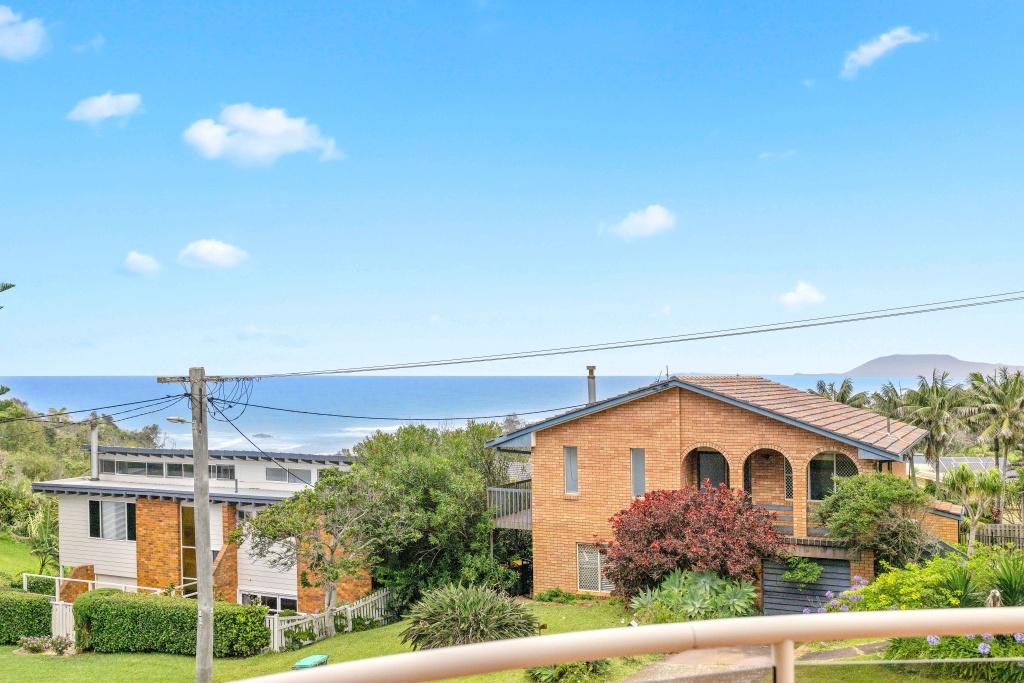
[311,598]
[669,425]
[943,528]
[158,542]
[863,566]
[225,568]
[72,589]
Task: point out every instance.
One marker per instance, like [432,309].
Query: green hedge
[110,621]
[23,614]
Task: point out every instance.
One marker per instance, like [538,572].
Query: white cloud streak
[868,53]
[142,264]
[106,106]
[255,136]
[804,294]
[212,254]
[20,38]
[645,222]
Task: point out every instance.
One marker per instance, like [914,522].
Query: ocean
[395,400]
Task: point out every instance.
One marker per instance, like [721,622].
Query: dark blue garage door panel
[784,597]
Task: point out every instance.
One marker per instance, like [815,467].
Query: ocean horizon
[391,401]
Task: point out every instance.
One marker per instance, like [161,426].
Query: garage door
[785,597]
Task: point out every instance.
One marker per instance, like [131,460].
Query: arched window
[822,471]
[712,467]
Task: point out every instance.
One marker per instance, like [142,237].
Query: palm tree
[997,411]
[4,286]
[938,407]
[892,402]
[43,539]
[841,394]
[976,492]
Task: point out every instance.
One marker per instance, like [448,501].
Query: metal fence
[511,506]
[289,632]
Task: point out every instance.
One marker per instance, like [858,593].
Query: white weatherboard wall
[114,560]
[255,576]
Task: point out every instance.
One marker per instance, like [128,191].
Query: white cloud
[867,53]
[644,223]
[776,156]
[106,106]
[212,253]
[804,294]
[256,135]
[20,38]
[143,264]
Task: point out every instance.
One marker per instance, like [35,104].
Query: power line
[253,444]
[162,404]
[823,321]
[43,418]
[399,418]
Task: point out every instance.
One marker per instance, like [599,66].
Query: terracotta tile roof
[861,425]
[951,508]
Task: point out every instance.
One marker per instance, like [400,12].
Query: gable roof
[874,435]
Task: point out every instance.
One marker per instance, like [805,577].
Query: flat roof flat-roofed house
[133,525]
[783,446]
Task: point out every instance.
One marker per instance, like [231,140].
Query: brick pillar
[800,499]
[158,542]
[863,566]
[70,590]
[225,570]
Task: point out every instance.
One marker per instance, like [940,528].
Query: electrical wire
[409,419]
[160,405]
[253,444]
[874,314]
[49,416]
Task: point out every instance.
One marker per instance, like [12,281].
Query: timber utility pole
[201,499]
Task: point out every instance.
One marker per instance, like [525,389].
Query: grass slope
[15,557]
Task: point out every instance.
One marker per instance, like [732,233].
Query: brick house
[133,524]
[781,445]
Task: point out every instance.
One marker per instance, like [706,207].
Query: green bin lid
[310,661]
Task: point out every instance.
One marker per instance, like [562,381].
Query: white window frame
[634,453]
[574,452]
[261,596]
[108,504]
[604,585]
[289,476]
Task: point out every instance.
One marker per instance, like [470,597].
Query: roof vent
[888,425]
[591,385]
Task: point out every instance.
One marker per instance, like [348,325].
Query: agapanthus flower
[821,610]
[987,637]
[933,640]
[844,608]
[807,610]
[829,594]
[984,648]
[1019,637]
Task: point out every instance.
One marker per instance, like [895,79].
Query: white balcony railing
[781,632]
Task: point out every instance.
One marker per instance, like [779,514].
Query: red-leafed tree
[705,529]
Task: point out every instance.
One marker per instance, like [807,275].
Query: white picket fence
[59,582]
[309,628]
[62,620]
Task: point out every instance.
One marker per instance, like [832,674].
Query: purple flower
[987,637]
[844,608]
[1019,637]
[807,610]
[933,640]
[821,610]
[984,648]
[858,578]
[829,594]
[968,635]
[833,602]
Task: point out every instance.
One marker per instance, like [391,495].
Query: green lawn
[15,558]
[382,641]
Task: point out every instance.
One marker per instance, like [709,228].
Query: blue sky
[472,177]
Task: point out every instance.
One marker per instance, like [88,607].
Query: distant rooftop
[334,458]
[163,490]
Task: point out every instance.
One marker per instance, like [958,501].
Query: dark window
[187,471]
[823,470]
[94,519]
[154,469]
[173,469]
[289,603]
[748,480]
[638,467]
[712,467]
[129,467]
[107,467]
[276,474]
[572,475]
[130,513]
[222,471]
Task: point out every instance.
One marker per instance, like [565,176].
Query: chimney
[888,425]
[94,450]
[591,384]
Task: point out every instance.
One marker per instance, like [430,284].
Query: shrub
[705,530]
[34,644]
[572,672]
[878,512]
[36,584]
[23,614]
[1008,579]
[687,596]
[556,595]
[801,570]
[964,647]
[457,615]
[110,621]
[61,644]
